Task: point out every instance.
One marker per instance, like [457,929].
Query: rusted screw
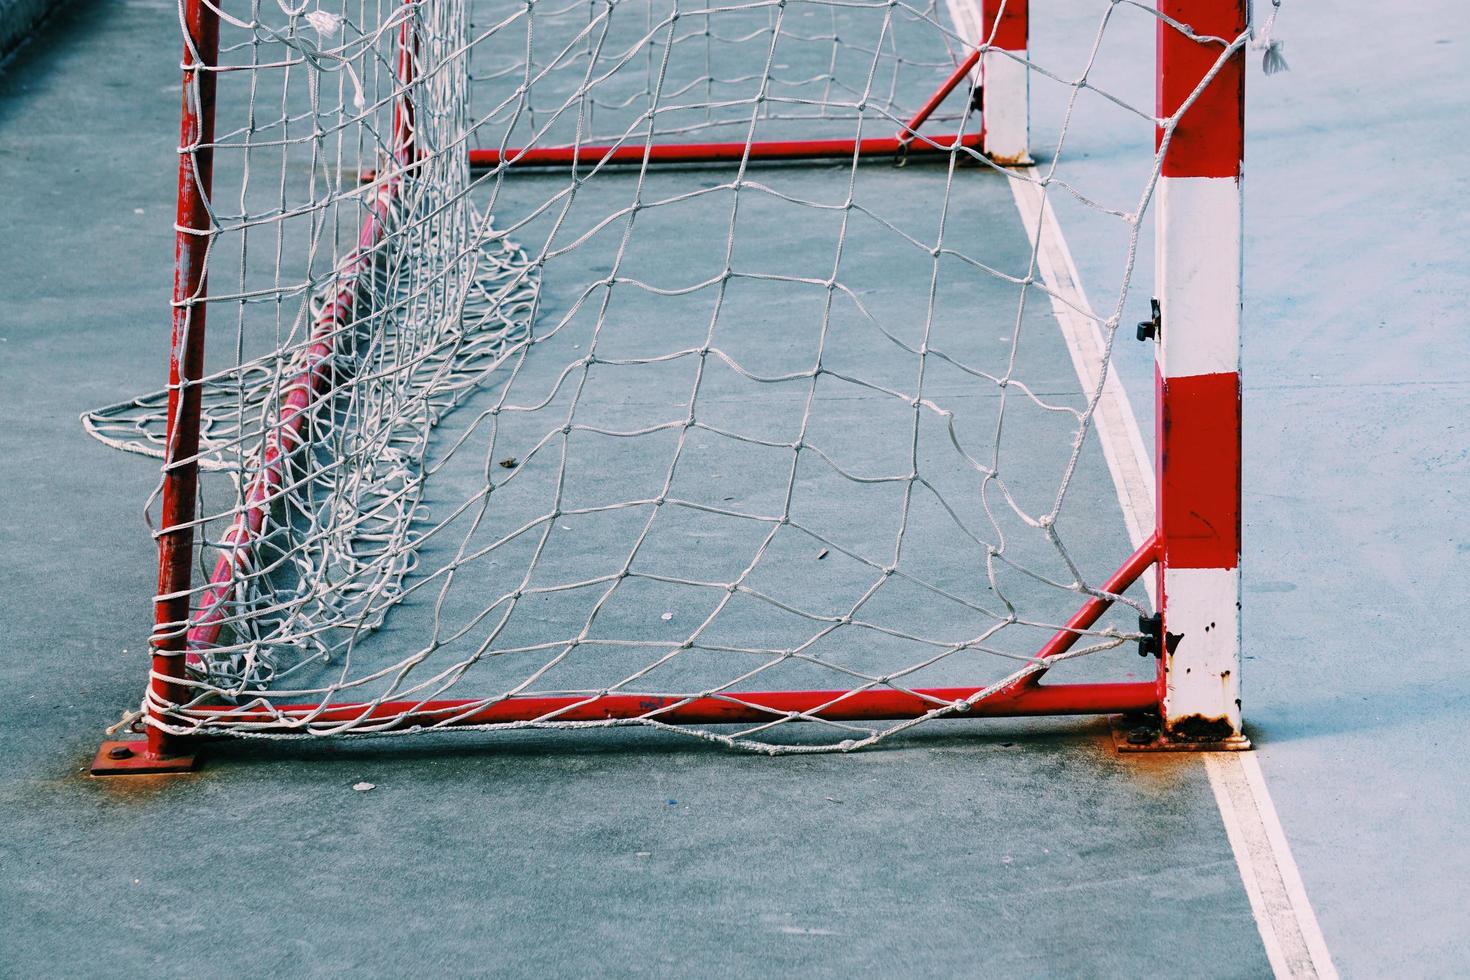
[119,752]
[1142,735]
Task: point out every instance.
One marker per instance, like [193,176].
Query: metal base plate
[129,757]
[1144,735]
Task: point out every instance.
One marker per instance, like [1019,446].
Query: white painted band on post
[1198,270]
[1202,618]
[1006,106]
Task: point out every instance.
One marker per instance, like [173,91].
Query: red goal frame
[1194,552]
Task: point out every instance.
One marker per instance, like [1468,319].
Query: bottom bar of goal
[1019,700]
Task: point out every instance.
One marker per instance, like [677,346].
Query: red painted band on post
[730,709]
[1198,420]
[1010,33]
[1209,140]
[484,159]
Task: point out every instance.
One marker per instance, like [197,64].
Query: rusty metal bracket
[1152,328]
[1144,733]
[1151,643]
[130,757]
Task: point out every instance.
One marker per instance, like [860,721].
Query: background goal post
[376,284]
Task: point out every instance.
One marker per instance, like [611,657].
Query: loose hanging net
[495,440]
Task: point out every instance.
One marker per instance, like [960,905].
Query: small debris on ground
[832,799]
[364,787]
[510,462]
[642,854]
[822,554]
[667,616]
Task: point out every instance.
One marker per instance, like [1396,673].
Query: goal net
[675,363]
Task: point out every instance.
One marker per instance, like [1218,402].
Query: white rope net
[671,433]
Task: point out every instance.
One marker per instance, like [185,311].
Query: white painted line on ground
[1288,925]
[1283,914]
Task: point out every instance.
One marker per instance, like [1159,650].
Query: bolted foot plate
[130,758]
[1132,734]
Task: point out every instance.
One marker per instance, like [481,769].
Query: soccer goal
[577,364]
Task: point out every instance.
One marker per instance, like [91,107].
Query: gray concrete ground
[1028,849]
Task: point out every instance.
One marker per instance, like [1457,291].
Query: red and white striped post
[1005,105]
[1198,415]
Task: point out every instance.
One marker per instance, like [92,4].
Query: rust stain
[1201,728]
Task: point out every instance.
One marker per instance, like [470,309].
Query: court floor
[1016,849]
